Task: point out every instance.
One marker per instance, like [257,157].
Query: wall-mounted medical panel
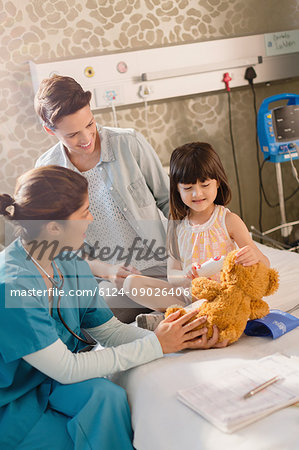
[127,78]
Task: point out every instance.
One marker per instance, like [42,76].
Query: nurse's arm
[114,332]
[59,363]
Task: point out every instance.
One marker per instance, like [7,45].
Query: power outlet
[105,95]
[111,95]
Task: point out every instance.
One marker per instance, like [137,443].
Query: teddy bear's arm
[259,309]
[204,288]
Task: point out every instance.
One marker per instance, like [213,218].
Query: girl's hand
[247,256]
[175,333]
[191,274]
[249,253]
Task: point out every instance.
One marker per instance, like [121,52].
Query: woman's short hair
[42,195]
[58,97]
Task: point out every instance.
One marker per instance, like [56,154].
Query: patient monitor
[278,133]
[278,129]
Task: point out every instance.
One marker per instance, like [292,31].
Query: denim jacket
[135,177]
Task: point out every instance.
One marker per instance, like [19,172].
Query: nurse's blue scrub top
[26,326]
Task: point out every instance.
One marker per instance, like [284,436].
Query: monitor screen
[286,123]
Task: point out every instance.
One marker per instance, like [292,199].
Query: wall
[45,30]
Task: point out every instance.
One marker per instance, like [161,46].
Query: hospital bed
[161,422]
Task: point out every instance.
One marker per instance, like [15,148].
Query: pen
[261,387]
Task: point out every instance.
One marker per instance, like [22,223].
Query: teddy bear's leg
[259,309]
[231,333]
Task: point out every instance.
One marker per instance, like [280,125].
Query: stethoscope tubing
[66,325]
[59,286]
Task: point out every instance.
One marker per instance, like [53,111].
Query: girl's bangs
[194,169]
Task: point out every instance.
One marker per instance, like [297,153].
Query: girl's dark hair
[57,97]
[41,195]
[189,163]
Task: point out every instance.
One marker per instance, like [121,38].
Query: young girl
[200,227]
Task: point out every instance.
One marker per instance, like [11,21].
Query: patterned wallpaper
[45,30]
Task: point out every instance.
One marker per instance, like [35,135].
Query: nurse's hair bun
[7,206]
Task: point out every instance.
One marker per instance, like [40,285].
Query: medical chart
[221,399]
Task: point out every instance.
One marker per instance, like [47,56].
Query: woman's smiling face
[77,132]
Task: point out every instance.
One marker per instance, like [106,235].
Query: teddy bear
[237,298]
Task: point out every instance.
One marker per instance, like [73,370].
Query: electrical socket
[105,95]
[111,95]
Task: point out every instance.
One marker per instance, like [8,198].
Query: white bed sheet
[161,422]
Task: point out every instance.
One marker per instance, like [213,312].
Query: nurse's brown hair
[44,194]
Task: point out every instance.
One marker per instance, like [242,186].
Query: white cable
[294,170]
[146,120]
[144,92]
[114,114]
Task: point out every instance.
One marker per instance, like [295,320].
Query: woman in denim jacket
[128,189]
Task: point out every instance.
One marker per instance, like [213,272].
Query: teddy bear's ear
[273,282]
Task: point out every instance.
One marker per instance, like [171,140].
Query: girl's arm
[116,273]
[248,254]
[153,293]
[175,274]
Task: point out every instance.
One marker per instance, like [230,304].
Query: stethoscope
[59,285]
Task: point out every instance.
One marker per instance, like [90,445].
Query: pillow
[287,264]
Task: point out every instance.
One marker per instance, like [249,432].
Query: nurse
[51,395]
